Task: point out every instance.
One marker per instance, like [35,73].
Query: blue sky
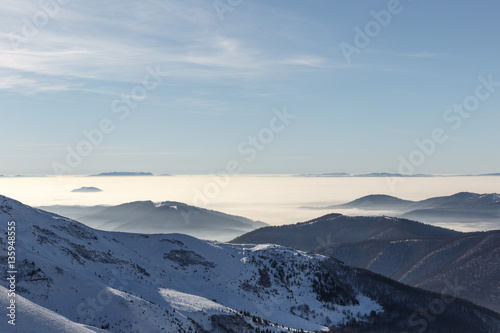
[226,72]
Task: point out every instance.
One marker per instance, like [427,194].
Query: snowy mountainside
[166,283]
[121,282]
[410,252]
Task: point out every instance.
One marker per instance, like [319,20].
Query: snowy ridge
[406,251]
[168,283]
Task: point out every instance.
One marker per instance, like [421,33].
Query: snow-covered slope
[39,319]
[156,283]
[407,251]
[176,283]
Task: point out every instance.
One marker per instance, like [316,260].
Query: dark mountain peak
[337,229]
[136,204]
[379,198]
[376,202]
[324,218]
[173,204]
[465,195]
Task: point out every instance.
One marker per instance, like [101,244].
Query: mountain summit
[411,252]
[165,217]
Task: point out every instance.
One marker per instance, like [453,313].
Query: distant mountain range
[331,174]
[407,251]
[122,174]
[388,174]
[72,278]
[374,174]
[23,176]
[165,217]
[459,207]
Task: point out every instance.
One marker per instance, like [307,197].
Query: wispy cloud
[32,85]
[422,55]
[306,60]
[142,154]
[36,145]
[89,42]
